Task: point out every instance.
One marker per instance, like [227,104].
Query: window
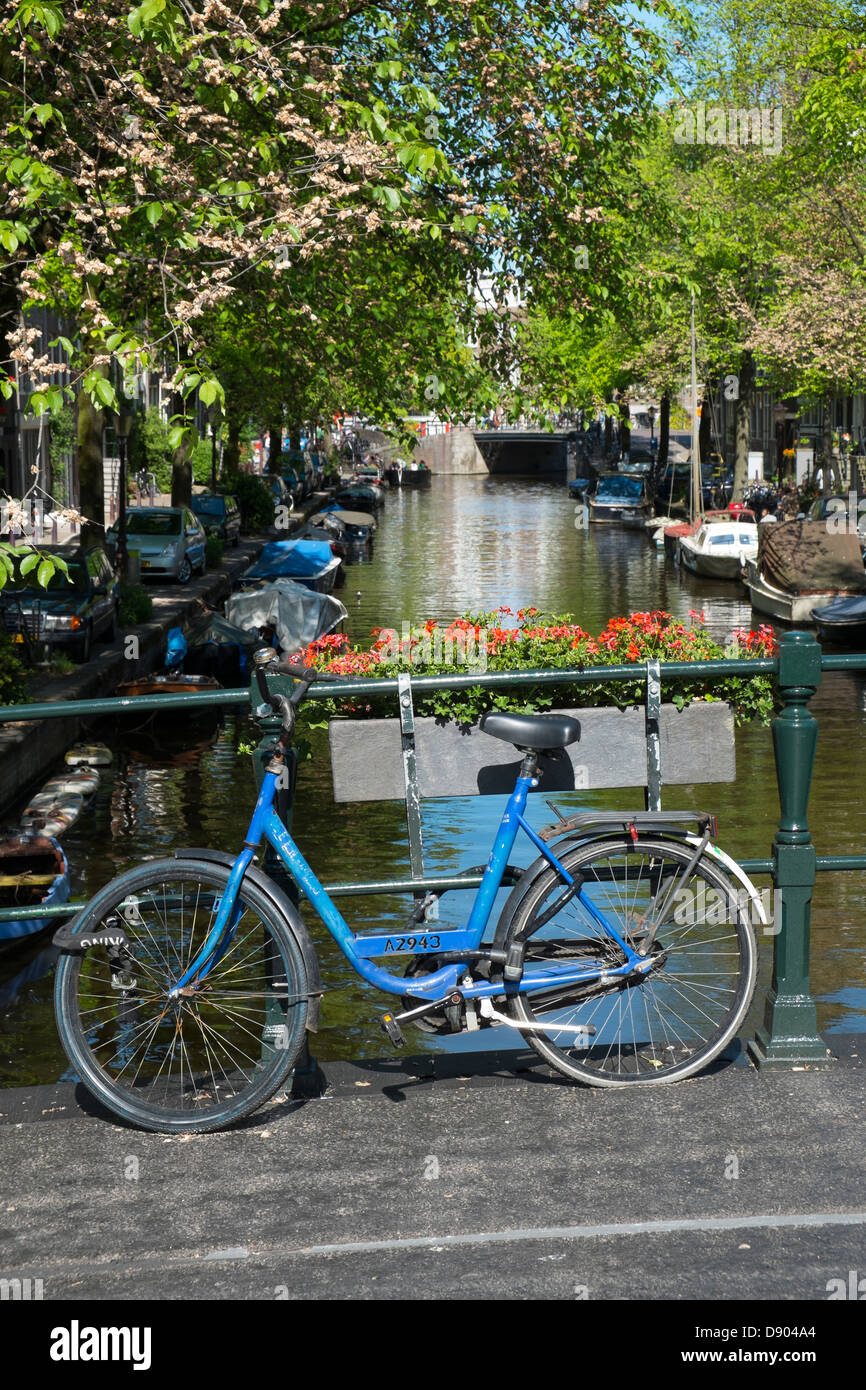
[153,523]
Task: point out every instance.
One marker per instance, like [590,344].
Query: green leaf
[45,573]
[104,392]
[209,391]
[44,112]
[29,563]
[153,212]
[176,436]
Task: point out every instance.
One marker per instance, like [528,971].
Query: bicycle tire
[99,1021]
[632,1044]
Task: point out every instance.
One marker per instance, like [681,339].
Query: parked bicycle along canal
[467,544]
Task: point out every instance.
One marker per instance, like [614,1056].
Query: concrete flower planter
[696,744]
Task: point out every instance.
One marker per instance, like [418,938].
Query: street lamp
[122,419]
[651,415]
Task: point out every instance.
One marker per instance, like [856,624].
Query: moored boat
[33,873]
[285,613]
[621,500]
[802,567]
[58,804]
[420,478]
[359,497]
[843,621]
[174,682]
[310,563]
[89,755]
[720,546]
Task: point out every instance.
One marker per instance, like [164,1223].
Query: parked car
[280,491]
[169,540]
[70,613]
[220,516]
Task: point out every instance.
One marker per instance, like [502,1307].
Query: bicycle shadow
[397,1079]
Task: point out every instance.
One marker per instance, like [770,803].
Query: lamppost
[123,418]
[651,415]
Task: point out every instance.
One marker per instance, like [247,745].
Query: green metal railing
[789,1035]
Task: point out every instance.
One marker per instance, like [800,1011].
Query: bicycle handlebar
[265,664]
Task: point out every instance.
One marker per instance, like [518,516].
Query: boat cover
[304,558]
[351,518]
[803,556]
[843,612]
[297,615]
[620,487]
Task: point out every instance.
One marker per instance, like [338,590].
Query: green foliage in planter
[135,605]
[545,641]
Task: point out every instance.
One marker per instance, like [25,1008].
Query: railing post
[790,1033]
[653,738]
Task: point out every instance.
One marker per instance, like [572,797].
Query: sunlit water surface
[469,544]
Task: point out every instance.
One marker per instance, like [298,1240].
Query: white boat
[60,802]
[89,755]
[720,547]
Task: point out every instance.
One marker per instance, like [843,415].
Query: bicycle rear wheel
[213,1054]
[646,1029]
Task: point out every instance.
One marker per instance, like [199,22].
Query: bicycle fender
[287,909]
[740,875]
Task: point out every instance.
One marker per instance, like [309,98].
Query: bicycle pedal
[392,1029]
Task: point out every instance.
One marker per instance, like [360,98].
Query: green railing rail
[789,1035]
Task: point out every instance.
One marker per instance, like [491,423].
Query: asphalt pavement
[454,1177]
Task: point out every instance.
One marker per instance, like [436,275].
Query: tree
[158,163]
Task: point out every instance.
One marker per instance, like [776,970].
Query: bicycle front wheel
[209,1056]
[693,927]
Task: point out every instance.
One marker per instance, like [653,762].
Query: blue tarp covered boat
[33,873]
[308,562]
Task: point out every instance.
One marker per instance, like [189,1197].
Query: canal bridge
[524,453]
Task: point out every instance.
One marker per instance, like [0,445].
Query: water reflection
[469,543]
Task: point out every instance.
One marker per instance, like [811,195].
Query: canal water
[468,544]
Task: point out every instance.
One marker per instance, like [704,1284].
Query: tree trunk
[664,430]
[91,503]
[232,451]
[608,432]
[743,425]
[661,461]
[295,435]
[275,449]
[181,464]
[624,425]
[705,437]
[827,446]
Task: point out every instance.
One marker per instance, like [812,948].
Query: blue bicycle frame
[360,948]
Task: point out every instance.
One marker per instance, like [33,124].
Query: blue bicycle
[624,955]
